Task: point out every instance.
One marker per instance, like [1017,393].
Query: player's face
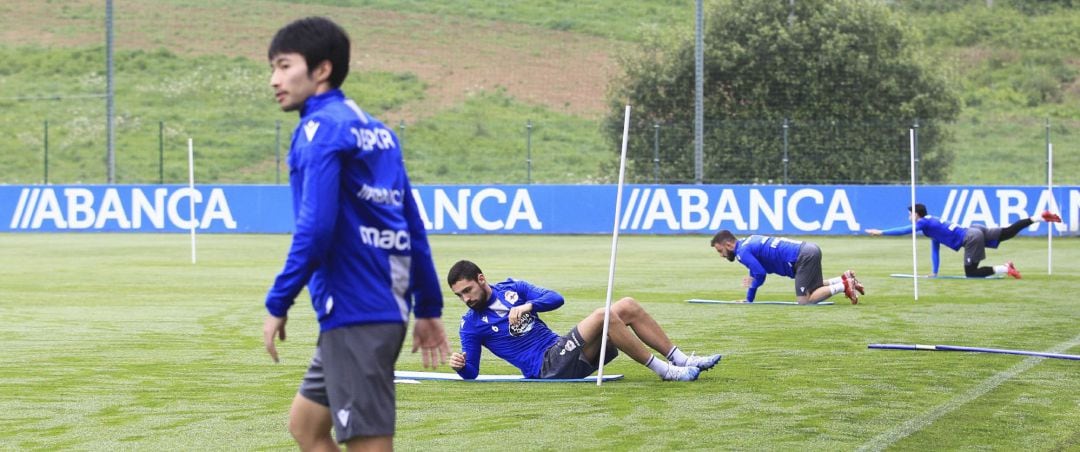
[291,81]
[726,249]
[475,294]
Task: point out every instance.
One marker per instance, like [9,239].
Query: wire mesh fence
[70,149]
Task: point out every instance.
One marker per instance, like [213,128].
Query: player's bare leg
[310,424]
[592,327]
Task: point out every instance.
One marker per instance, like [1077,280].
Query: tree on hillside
[845,74]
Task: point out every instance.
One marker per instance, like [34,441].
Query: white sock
[836,287]
[658,366]
[677,357]
[1036,219]
[1000,269]
[836,280]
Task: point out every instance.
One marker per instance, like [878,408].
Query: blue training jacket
[491,329]
[939,232]
[359,244]
[762,254]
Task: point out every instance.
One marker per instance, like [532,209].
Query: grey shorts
[564,359]
[352,374]
[808,269]
[976,239]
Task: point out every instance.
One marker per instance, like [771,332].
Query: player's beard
[730,257]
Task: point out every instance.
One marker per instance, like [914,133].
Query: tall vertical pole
[1050,192]
[614,247]
[110,157]
[915,140]
[699,88]
[914,254]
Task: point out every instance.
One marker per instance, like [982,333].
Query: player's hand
[457,361]
[273,326]
[517,311]
[873,231]
[430,338]
[746,280]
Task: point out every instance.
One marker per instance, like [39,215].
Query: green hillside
[480,92]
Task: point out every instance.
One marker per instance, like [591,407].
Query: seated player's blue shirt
[491,329]
[359,244]
[939,232]
[763,254]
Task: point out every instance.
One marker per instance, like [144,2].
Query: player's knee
[627,307]
[971,270]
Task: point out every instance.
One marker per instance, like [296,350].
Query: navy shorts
[564,359]
[352,374]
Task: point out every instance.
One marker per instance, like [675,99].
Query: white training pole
[191,198]
[1050,191]
[614,246]
[914,254]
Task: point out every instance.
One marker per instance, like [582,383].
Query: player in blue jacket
[505,318]
[359,246]
[975,239]
[795,259]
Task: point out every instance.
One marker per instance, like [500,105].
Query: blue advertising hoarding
[542,209]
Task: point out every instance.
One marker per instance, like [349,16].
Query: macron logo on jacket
[310,128]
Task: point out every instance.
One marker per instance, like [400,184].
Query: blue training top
[359,244]
[939,232]
[491,329]
[763,254]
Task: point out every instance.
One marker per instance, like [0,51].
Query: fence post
[785,151]
[528,151]
[46,132]
[161,151]
[277,152]
[656,153]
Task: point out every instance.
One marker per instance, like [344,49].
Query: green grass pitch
[119,342]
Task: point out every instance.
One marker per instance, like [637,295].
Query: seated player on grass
[785,257]
[975,239]
[504,318]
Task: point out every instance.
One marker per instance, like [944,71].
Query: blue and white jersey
[939,232]
[762,255]
[525,346]
[359,244]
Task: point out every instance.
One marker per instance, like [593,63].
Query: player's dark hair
[920,210]
[723,236]
[463,270]
[317,39]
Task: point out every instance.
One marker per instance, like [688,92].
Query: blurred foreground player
[359,246]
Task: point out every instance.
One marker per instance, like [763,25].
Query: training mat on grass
[909,275]
[785,303]
[414,375]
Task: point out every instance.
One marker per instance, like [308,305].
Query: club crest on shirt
[510,296]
